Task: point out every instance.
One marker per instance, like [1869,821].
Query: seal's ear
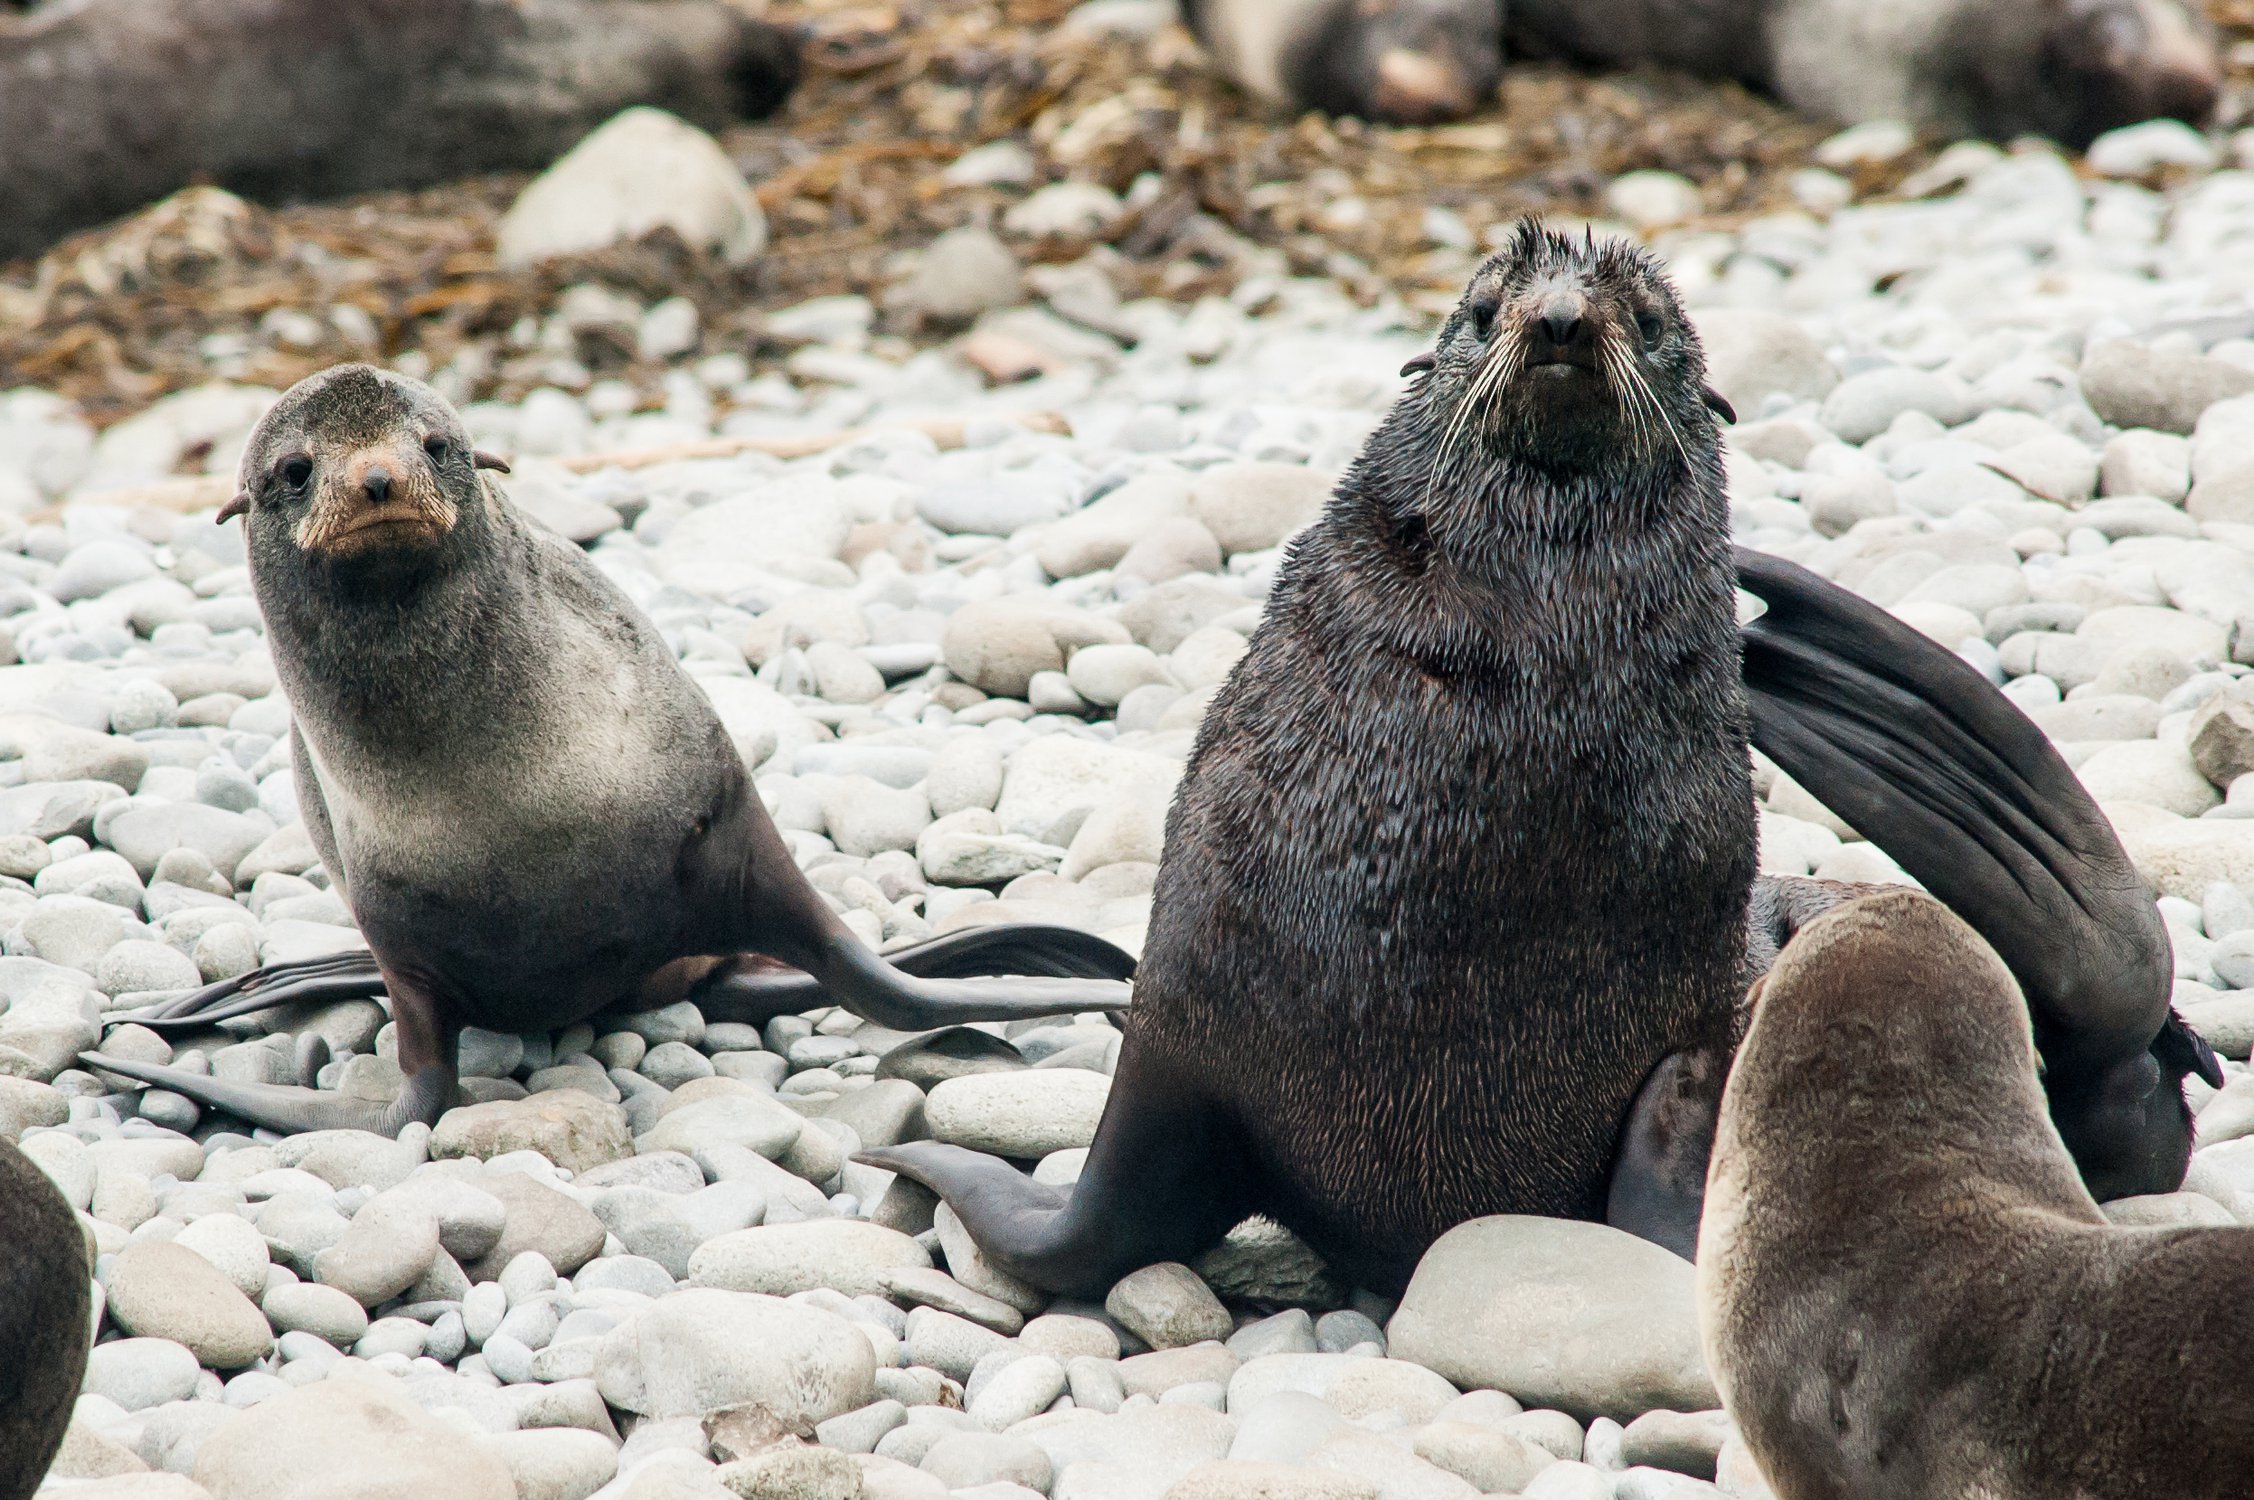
[484,460]
[238,506]
[1718,404]
[1421,365]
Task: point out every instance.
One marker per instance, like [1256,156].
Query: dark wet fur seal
[106,105]
[1906,1292]
[530,809]
[45,1321]
[1401,61]
[1464,846]
[2067,69]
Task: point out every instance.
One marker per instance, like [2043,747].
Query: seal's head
[1573,355]
[1407,62]
[359,473]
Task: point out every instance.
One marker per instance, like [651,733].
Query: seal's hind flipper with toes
[284,1107]
[1005,972]
[338,976]
[1164,1181]
[1927,759]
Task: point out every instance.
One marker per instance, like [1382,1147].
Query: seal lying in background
[2068,69]
[46,1322]
[1464,846]
[1458,908]
[106,105]
[1906,1292]
[530,809]
[1403,61]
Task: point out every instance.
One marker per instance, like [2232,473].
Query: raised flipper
[427,1043]
[1044,970]
[338,976]
[1930,762]
[1163,1181]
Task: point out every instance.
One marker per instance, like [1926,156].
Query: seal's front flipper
[1659,1169]
[1928,760]
[339,976]
[1161,1183]
[1030,969]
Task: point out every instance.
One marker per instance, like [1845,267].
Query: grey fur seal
[530,809]
[106,105]
[45,1321]
[1905,1289]
[1464,847]
[2067,69]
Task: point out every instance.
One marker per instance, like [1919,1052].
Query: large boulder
[1558,1313]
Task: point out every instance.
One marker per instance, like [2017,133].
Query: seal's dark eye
[1648,324]
[435,446]
[295,471]
[1483,315]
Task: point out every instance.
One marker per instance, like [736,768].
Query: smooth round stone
[1559,1314]
[965,1460]
[701,1351]
[1067,1337]
[1168,1306]
[540,1221]
[671,1064]
[951,1345]
[470,1219]
[308,1307]
[1291,1331]
[138,1373]
[159,1290]
[1026,1114]
[387,1248]
[624,1273]
[1864,405]
[1495,1462]
[402,1336]
[779,1259]
[573,1130]
[341,1438]
[1024,1388]
[1250,507]
[556,1463]
[1106,674]
[233,1246]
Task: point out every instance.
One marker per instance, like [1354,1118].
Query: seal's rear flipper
[1004,972]
[1163,1182]
[338,976]
[1924,757]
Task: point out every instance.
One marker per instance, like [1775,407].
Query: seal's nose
[1564,318]
[1561,326]
[376,482]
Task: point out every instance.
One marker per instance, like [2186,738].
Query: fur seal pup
[106,105]
[1904,1288]
[2067,69]
[1465,841]
[1406,62]
[530,809]
[45,1321]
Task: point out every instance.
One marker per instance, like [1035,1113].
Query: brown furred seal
[531,810]
[1906,1292]
[45,1321]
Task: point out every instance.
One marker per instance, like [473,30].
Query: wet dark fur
[45,1327]
[2068,69]
[1464,846]
[1905,1289]
[109,104]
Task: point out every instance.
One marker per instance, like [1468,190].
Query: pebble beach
[960,603]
